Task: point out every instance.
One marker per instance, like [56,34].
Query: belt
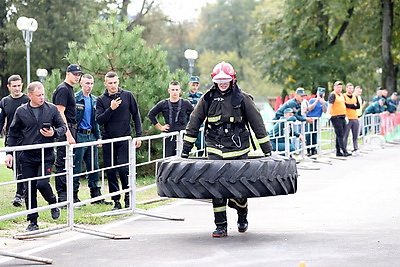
[85,131]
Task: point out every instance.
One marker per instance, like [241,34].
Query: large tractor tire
[200,178]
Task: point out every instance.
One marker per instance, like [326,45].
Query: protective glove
[266,148]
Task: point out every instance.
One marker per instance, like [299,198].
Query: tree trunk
[389,72]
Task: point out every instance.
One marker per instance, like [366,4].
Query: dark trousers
[219,204]
[119,155]
[21,187]
[34,169]
[170,146]
[84,154]
[339,123]
[61,181]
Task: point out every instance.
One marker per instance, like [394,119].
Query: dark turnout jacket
[226,115]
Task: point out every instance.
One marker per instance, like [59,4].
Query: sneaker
[221,231]
[242,223]
[102,201]
[55,213]
[117,205]
[17,201]
[32,227]
[347,154]
[339,154]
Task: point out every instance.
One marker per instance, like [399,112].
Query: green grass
[81,215]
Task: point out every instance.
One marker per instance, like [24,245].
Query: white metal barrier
[325,144]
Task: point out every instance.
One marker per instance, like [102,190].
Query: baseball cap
[378,88]
[194,79]
[321,90]
[287,110]
[300,91]
[337,83]
[394,93]
[74,68]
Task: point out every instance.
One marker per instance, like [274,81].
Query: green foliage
[142,70]
[225,26]
[58,23]
[297,47]
[249,79]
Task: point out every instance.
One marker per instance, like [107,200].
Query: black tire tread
[200,178]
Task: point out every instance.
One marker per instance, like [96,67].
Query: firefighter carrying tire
[229,116]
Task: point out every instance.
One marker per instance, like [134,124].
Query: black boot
[221,230]
[95,192]
[127,203]
[62,196]
[76,198]
[242,223]
[33,226]
[117,205]
[18,200]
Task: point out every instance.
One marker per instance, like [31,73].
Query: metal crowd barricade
[372,124]
[42,147]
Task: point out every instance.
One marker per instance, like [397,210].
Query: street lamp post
[41,73]
[191,56]
[27,26]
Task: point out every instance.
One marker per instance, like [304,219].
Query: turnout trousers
[219,204]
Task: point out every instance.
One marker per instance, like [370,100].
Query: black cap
[74,68]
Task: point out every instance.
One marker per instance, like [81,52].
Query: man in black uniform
[64,99]
[36,122]
[175,111]
[226,109]
[114,110]
[8,105]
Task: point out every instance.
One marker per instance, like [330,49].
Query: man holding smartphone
[36,122]
[115,109]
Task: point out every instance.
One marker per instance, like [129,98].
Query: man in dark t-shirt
[8,106]
[64,99]
[175,111]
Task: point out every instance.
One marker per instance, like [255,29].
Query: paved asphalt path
[344,214]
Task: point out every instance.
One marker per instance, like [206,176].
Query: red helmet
[223,72]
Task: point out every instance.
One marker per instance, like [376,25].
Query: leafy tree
[225,26]
[302,46]
[142,69]
[58,24]
[313,43]
[255,83]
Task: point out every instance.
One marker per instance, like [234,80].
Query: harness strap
[170,111]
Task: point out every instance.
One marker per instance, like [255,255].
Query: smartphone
[46,125]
